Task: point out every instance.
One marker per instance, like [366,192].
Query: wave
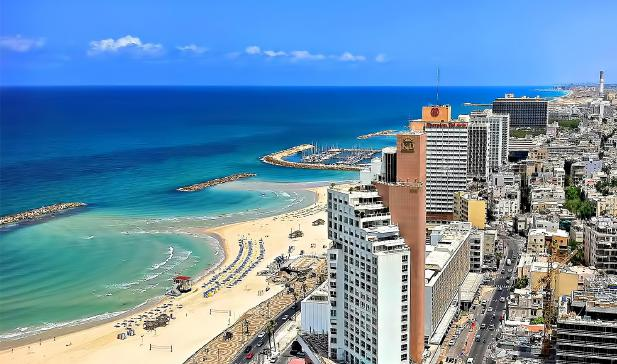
[170,255]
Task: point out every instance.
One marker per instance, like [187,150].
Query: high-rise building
[498,136]
[600,239]
[369,278]
[601,87]
[376,260]
[478,151]
[446,159]
[525,112]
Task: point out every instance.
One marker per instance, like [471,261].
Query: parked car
[260,343]
[248,348]
[249,356]
[261,334]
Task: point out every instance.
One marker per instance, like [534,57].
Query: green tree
[537,320]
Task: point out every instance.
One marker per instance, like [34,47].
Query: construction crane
[549,311]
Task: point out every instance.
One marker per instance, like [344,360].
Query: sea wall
[39,212]
[277,160]
[213,182]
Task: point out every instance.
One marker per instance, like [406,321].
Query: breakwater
[389,132]
[39,212]
[277,160]
[213,182]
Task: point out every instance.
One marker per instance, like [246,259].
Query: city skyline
[401,44]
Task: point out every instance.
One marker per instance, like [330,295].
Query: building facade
[471,208]
[446,159]
[600,242]
[478,151]
[498,136]
[524,112]
[368,280]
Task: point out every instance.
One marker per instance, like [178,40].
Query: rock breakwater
[213,182]
[39,212]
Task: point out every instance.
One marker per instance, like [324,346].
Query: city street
[494,308]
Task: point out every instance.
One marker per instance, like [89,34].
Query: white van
[469,360]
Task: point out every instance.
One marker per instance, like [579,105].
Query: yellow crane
[549,310]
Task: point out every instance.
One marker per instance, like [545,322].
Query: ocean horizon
[124,150]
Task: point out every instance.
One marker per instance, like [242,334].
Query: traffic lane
[241,358]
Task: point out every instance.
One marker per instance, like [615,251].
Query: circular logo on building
[435,112]
[407,145]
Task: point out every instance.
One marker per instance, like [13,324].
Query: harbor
[312,157]
[213,182]
[39,212]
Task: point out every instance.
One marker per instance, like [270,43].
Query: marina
[213,182]
[39,212]
[312,157]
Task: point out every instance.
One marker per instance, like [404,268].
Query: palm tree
[270,331]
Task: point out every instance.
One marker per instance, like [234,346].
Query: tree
[537,320]
[521,282]
[270,330]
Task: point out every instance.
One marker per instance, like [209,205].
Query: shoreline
[222,234]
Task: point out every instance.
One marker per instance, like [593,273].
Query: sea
[124,151]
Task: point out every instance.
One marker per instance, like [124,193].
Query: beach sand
[194,324]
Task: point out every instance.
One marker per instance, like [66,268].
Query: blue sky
[277,42]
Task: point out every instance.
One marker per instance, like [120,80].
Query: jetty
[213,182]
[277,159]
[39,212]
[388,132]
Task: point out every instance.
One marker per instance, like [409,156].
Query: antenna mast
[437,85]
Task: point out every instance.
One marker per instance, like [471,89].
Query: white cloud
[192,48]
[306,55]
[128,42]
[253,50]
[275,53]
[381,58]
[20,44]
[348,57]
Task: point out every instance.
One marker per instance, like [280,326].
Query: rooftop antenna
[437,85]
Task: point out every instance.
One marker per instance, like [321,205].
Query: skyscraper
[376,260]
[525,112]
[478,151]
[446,159]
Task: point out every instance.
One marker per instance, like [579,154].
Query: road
[253,343]
[512,244]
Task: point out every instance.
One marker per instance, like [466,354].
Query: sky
[318,42]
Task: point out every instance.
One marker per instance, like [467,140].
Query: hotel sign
[407,145]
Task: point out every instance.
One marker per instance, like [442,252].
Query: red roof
[182,278]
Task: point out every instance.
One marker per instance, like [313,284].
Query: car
[249,356]
[503,271]
[478,338]
[284,318]
[502,300]
[491,327]
[301,354]
[483,326]
[499,288]
[274,357]
[493,316]
[261,334]
[490,309]
[483,302]
[451,343]
[469,360]
[260,343]
[248,349]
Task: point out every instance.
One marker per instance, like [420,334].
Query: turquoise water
[125,150]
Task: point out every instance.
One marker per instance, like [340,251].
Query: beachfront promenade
[39,212]
[225,347]
[213,182]
[277,159]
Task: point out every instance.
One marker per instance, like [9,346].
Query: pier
[213,182]
[316,160]
[39,212]
[389,132]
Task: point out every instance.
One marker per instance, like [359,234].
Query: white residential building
[368,279]
[600,242]
[315,309]
[499,132]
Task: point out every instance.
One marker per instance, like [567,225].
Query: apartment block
[600,242]
[524,112]
[498,136]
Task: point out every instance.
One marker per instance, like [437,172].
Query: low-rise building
[606,205]
[470,207]
[524,305]
[315,309]
[542,241]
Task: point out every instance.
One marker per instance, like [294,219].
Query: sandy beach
[197,319]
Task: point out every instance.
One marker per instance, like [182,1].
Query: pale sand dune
[194,325]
